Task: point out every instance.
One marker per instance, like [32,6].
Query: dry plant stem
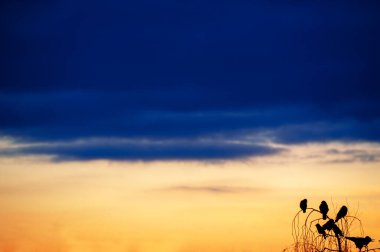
[339,245]
[315,210]
[307,239]
[373,249]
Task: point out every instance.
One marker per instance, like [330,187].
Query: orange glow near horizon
[176,206]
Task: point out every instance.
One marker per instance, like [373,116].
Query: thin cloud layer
[216,189]
[142,150]
[175,72]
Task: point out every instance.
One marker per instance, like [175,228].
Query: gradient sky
[183,126]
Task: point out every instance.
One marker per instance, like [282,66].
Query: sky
[183,126]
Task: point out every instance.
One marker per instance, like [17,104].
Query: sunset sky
[184,126]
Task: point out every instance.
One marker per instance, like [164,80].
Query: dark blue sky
[148,80]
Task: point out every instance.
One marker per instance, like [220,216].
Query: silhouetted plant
[318,232]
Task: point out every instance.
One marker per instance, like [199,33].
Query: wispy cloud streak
[216,189]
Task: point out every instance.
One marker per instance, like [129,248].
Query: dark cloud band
[143,150]
[177,71]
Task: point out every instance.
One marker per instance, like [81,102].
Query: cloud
[135,150]
[330,152]
[176,72]
[217,189]
[353,155]
[345,130]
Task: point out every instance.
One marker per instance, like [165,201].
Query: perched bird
[321,231]
[360,242]
[342,213]
[324,208]
[337,230]
[329,225]
[303,205]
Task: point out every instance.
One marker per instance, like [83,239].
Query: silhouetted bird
[329,225]
[303,205]
[324,208]
[321,231]
[360,242]
[342,213]
[337,230]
